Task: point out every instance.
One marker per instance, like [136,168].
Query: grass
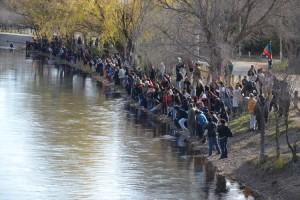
[240,124]
[280,66]
[272,164]
[271,129]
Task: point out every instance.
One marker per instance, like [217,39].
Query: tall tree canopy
[209,30]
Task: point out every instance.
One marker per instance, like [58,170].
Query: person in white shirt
[121,75]
[236,98]
[260,81]
[162,70]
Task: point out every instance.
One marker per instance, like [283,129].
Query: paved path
[242,67]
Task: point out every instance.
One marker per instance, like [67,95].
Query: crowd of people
[202,110]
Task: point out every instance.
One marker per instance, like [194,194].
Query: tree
[129,18]
[289,27]
[113,21]
[261,114]
[285,97]
[220,25]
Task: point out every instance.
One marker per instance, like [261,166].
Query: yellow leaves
[112,20]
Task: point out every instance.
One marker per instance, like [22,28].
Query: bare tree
[284,88]
[284,108]
[221,24]
[286,25]
[261,114]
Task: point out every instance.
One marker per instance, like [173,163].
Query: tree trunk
[262,144]
[125,50]
[215,68]
[215,62]
[293,148]
[261,127]
[277,135]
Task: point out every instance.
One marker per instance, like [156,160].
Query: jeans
[212,142]
[192,129]
[199,130]
[252,121]
[178,85]
[223,146]
[181,123]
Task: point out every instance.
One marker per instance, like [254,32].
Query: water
[61,138]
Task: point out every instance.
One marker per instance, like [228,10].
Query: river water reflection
[61,138]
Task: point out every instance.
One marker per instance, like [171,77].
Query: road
[242,67]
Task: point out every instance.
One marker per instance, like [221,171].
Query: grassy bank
[274,178]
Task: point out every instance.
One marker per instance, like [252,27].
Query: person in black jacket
[223,133]
[211,129]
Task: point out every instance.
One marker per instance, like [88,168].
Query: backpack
[202,120]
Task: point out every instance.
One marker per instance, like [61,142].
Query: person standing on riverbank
[211,132]
[251,107]
[122,75]
[179,75]
[192,120]
[236,99]
[252,74]
[224,133]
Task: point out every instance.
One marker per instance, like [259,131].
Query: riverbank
[276,179]
[242,162]
[273,180]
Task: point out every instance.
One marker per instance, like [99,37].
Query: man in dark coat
[211,129]
[261,112]
[223,133]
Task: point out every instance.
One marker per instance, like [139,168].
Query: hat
[251,95]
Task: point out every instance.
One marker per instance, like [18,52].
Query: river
[62,138]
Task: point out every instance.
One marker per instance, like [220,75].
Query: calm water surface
[61,138]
